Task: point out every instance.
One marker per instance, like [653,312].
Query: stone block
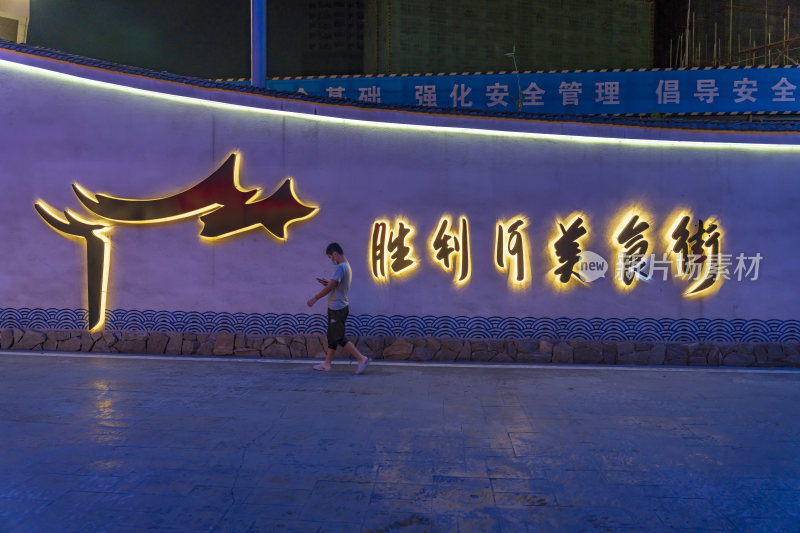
[317,346]
[400,349]
[416,341]
[30,340]
[188,347]
[189,336]
[793,360]
[59,335]
[526,346]
[298,349]
[482,356]
[633,358]
[433,343]
[87,341]
[6,338]
[254,342]
[480,346]
[224,343]
[73,344]
[266,342]
[18,333]
[562,353]
[283,339]
[546,346]
[496,346]
[175,343]
[363,347]
[205,347]
[738,359]
[789,349]
[714,356]
[239,341]
[246,352]
[454,345]
[50,344]
[641,346]
[510,348]
[502,357]
[535,357]
[156,343]
[772,351]
[657,354]
[423,353]
[699,350]
[587,352]
[445,354]
[625,347]
[375,344]
[610,353]
[132,343]
[675,354]
[277,350]
[465,352]
[697,360]
[110,338]
[101,346]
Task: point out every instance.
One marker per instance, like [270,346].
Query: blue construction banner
[733,90]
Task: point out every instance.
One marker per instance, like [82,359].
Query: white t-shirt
[337,299]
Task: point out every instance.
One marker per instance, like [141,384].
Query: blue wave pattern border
[610,329]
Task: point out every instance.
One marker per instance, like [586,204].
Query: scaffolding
[719,33]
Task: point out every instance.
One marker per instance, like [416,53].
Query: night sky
[209,39]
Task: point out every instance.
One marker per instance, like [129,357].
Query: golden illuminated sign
[697,251]
[223,207]
[630,239]
[694,252]
[94,235]
[447,246]
[511,254]
[391,249]
[566,249]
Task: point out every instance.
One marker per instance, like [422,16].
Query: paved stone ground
[127,444]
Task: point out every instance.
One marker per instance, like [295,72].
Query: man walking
[338,287]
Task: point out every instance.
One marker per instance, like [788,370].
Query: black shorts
[336,320]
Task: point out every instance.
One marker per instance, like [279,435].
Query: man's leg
[326,364]
[362,359]
[332,332]
[352,350]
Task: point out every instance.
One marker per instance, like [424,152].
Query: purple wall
[61,126]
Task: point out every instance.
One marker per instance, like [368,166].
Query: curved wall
[134,137]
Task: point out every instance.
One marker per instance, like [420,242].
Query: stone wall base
[412,349]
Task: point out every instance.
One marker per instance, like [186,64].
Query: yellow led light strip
[10,65]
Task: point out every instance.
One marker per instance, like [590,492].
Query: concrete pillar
[258,43]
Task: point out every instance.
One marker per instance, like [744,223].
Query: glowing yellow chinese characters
[511,251]
[694,251]
[391,249]
[697,252]
[445,254]
[565,248]
[223,207]
[630,239]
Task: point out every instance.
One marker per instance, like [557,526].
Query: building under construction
[319,37]
[716,33]
[408,36]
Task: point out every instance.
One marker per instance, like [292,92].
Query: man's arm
[332,283]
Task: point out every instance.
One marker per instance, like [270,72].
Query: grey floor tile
[123,444]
